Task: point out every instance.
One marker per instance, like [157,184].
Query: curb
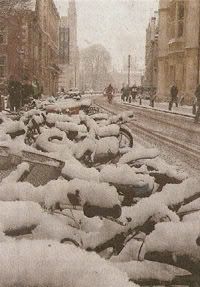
[159,110]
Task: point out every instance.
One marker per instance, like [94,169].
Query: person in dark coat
[123,93]
[110,92]
[126,93]
[14,91]
[174,96]
[110,89]
[152,94]
[134,92]
[197,95]
[27,91]
[36,89]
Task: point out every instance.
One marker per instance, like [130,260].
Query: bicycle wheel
[125,138]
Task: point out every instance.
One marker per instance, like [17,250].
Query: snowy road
[176,136]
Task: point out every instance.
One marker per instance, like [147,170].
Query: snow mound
[177,237]
[14,126]
[139,153]
[74,169]
[108,131]
[67,127]
[150,270]
[98,194]
[59,265]
[124,174]
[19,214]
[162,167]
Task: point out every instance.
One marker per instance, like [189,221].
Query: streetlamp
[129,69]
[75,75]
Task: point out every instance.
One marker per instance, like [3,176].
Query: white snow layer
[15,175]
[150,270]
[176,237]
[47,263]
[138,153]
[124,174]
[19,214]
[100,194]
[74,169]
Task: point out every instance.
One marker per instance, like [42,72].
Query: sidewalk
[181,110]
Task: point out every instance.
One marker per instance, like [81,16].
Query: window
[172,11]
[176,19]
[180,16]
[181,10]
[2,66]
[3,34]
[180,29]
[172,19]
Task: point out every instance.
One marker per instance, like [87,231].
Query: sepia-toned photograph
[99,143]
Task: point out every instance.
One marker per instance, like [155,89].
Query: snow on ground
[171,126]
[163,106]
[59,265]
[122,204]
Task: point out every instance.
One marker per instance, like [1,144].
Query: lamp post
[75,75]
[129,69]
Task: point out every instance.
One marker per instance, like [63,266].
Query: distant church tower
[73,45]
[69,53]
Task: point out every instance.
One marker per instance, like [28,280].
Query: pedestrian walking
[26,91]
[110,93]
[37,91]
[134,92]
[197,95]
[174,96]
[140,99]
[14,92]
[123,93]
[126,93]
[152,96]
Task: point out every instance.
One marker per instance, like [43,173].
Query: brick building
[29,44]
[179,46]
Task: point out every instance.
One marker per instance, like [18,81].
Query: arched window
[176,19]
[180,18]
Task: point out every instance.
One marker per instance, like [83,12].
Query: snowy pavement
[176,136]
[184,110]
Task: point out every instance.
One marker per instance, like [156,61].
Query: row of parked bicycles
[75,176]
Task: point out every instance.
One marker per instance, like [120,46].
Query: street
[176,135]
[99,143]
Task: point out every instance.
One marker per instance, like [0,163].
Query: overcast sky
[119,25]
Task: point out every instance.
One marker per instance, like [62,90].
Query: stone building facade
[29,45]
[151,54]
[49,19]
[69,52]
[178,47]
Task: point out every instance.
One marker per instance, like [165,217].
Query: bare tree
[96,64]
